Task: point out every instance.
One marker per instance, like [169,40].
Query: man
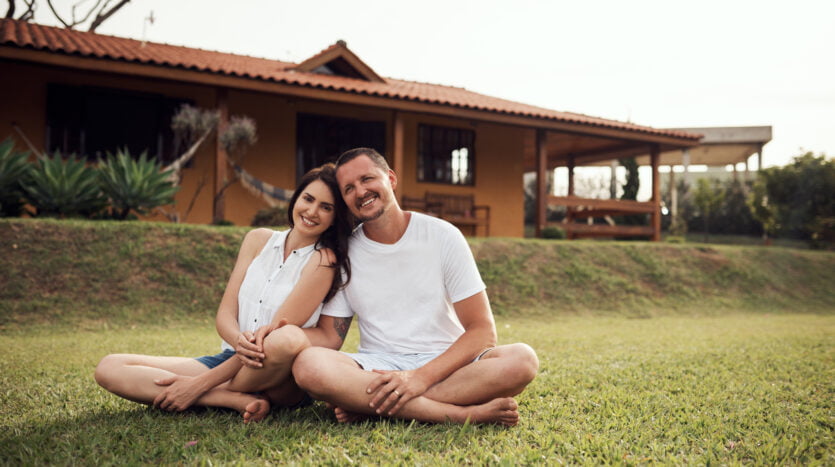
[427,337]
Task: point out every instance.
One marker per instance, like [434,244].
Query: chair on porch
[459,210]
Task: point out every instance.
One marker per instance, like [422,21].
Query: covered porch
[572,149]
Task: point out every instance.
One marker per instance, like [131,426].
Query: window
[90,122]
[445,155]
[322,139]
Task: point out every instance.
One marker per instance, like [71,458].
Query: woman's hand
[179,394]
[248,351]
[265,331]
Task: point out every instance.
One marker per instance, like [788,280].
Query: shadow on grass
[144,435]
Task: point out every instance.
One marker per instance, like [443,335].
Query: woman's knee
[286,341]
[107,368]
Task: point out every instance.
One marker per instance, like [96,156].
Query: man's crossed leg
[481,392]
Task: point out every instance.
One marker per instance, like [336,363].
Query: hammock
[272,195]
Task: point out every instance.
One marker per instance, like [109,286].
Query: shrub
[272,216]
[14,168]
[63,188]
[799,198]
[553,233]
[134,184]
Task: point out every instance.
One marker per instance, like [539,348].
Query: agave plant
[14,168]
[134,184]
[63,188]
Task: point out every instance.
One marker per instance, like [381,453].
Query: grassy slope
[130,273]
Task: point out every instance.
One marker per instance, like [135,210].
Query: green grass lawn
[742,388]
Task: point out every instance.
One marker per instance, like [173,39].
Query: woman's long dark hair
[336,236]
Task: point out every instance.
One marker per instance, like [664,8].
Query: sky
[664,64]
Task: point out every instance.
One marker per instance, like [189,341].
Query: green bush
[14,168]
[797,200]
[134,184]
[270,217]
[553,233]
[63,188]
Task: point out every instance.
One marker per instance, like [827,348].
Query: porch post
[571,175]
[397,141]
[655,155]
[541,181]
[760,159]
[673,194]
[569,214]
[218,212]
[613,180]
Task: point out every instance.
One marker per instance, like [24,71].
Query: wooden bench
[459,210]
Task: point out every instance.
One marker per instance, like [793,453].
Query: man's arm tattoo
[342,325]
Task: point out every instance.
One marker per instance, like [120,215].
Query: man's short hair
[372,154]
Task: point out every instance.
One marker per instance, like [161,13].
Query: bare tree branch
[52,7]
[26,16]
[30,11]
[89,12]
[200,185]
[103,15]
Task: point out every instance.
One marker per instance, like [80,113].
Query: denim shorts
[212,361]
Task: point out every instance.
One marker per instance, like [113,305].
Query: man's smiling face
[367,189]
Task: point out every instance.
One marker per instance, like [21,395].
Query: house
[86,93]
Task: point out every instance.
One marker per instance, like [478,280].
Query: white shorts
[395,361]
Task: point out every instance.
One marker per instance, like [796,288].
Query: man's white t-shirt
[402,294]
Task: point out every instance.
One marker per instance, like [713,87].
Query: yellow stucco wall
[499,151]
[498,148]
[23,92]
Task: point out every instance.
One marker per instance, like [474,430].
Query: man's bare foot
[256,410]
[500,411]
[344,416]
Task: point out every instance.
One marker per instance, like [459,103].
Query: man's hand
[248,351]
[180,393]
[392,389]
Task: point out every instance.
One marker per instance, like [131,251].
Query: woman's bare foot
[256,410]
[500,411]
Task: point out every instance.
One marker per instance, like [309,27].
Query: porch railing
[588,208]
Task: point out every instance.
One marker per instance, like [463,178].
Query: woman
[268,314]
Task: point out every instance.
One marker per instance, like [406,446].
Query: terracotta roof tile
[58,40]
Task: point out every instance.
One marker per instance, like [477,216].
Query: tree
[630,192]
[192,127]
[633,182]
[763,211]
[801,197]
[100,12]
[707,197]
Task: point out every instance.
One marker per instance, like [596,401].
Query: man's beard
[373,216]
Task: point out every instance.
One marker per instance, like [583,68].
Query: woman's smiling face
[315,209]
